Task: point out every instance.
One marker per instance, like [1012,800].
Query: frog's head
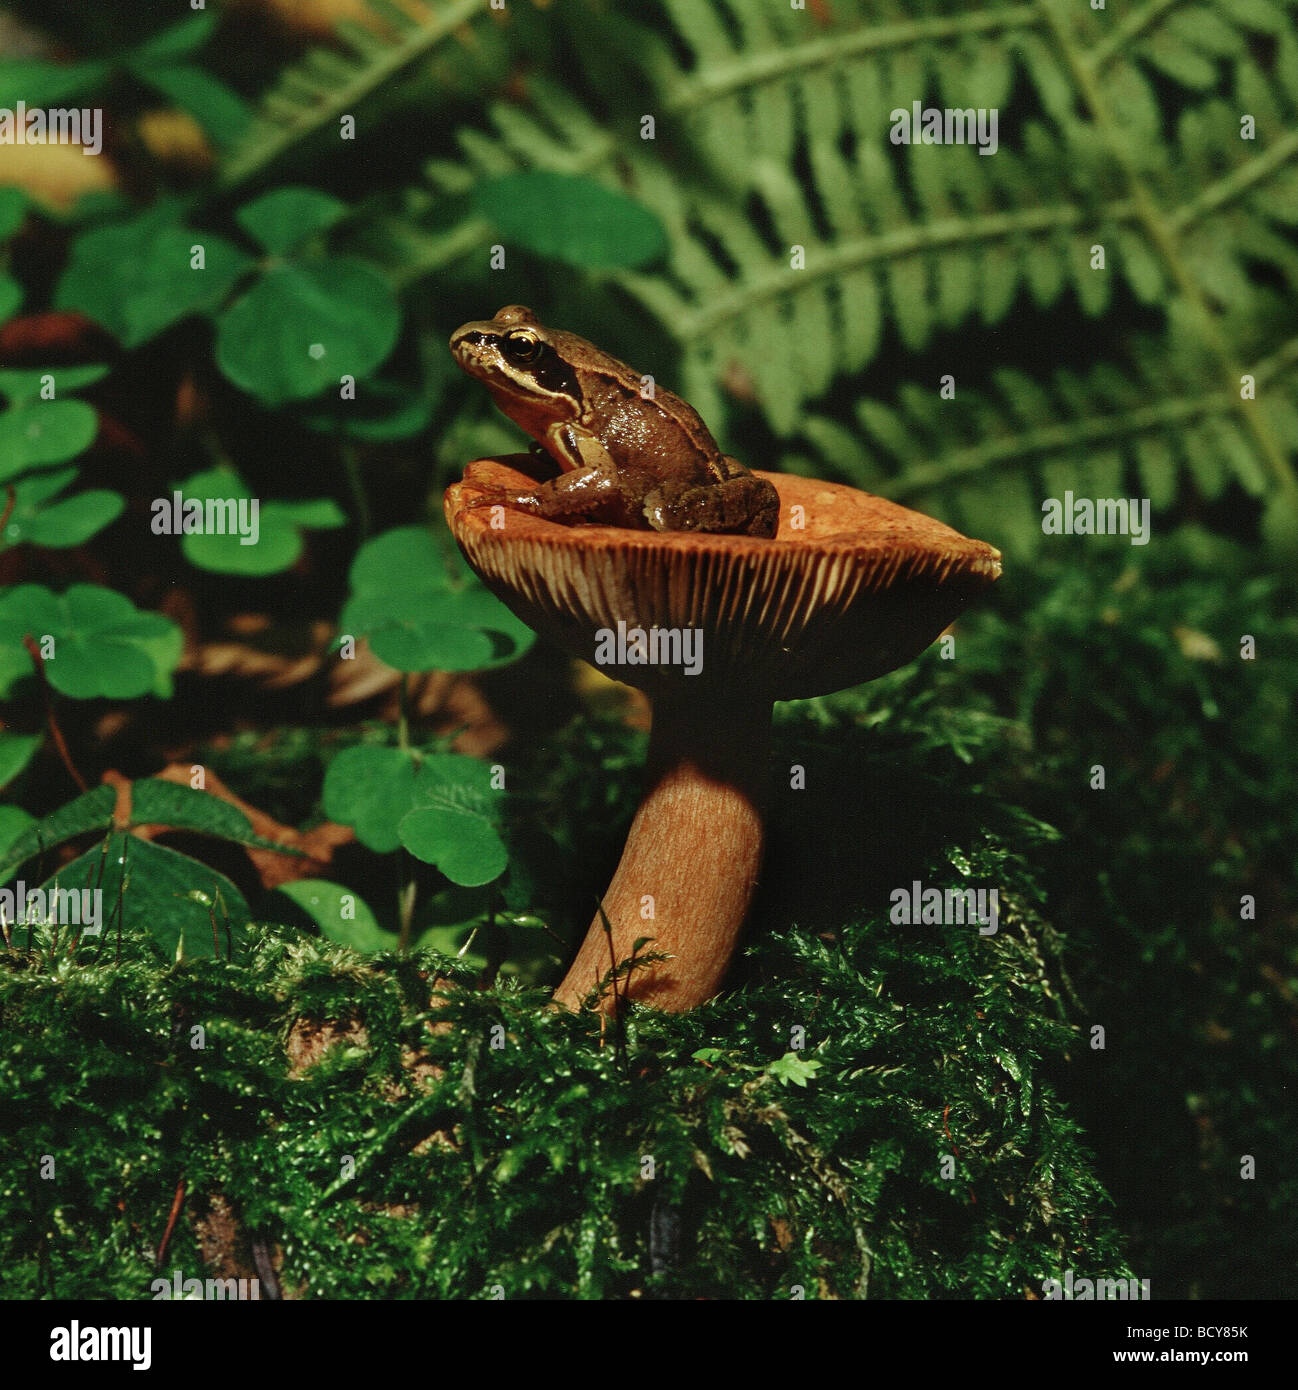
[522,363]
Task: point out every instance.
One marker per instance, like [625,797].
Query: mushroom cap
[859,587]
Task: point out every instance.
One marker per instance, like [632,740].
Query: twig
[50,718]
[11,499]
[176,1203]
[122,880]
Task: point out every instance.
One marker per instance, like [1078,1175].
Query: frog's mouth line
[458,345]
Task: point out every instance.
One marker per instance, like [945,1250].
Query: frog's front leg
[740,505]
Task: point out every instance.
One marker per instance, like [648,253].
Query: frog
[626,455]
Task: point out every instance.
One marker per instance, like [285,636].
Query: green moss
[768,1173]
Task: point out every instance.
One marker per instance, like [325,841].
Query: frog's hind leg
[585,494]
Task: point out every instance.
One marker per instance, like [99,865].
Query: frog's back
[632,423]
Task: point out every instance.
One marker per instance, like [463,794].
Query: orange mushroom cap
[851,586]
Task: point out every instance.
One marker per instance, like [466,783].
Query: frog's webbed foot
[741,505]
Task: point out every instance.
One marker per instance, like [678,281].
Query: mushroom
[851,587]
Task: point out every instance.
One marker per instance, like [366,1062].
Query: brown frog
[627,458]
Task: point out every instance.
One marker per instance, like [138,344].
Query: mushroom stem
[692,856]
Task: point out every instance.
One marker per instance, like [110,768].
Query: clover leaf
[382,410]
[11,296]
[284,218]
[305,324]
[13,208]
[303,327]
[141,276]
[41,428]
[37,518]
[423,611]
[278,525]
[23,385]
[16,751]
[451,825]
[440,806]
[35,436]
[98,643]
[370,789]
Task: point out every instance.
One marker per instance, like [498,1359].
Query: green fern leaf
[328,84]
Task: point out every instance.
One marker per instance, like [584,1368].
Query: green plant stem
[51,719]
[406,893]
[356,486]
[403,715]
[405,902]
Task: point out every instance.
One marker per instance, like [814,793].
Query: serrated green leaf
[13,822]
[168,897]
[93,810]
[793,1069]
[155,802]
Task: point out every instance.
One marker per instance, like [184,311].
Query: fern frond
[558,134]
[329,83]
[800,235]
[985,459]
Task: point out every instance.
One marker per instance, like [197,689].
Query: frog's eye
[523,349]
